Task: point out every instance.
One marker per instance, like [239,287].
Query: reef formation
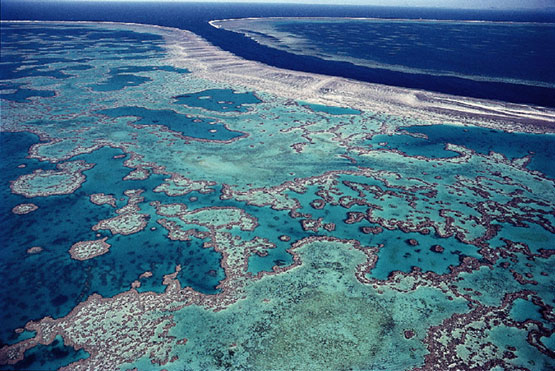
[167,204]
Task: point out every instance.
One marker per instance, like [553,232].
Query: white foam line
[206,61]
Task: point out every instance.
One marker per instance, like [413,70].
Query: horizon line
[293,2]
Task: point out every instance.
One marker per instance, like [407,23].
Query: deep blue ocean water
[522,53]
[480,140]
[195,17]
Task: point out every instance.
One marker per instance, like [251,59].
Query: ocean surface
[508,56]
[518,53]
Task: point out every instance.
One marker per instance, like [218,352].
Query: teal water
[120,81]
[221,100]
[40,292]
[549,341]
[16,338]
[22,94]
[79,67]
[532,235]
[121,77]
[330,109]
[524,310]
[49,357]
[133,69]
[397,254]
[189,127]
[512,145]
[398,193]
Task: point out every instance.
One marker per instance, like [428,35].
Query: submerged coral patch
[24,208]
[85,250]
[66,179]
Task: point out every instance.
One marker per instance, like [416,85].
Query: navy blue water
[54,283]
[195,17]
[478,50]
[48,357]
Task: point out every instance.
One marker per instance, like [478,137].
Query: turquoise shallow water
[524,310]
[331,110]
[299,227]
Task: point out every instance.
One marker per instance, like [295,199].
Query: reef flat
[166,204]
